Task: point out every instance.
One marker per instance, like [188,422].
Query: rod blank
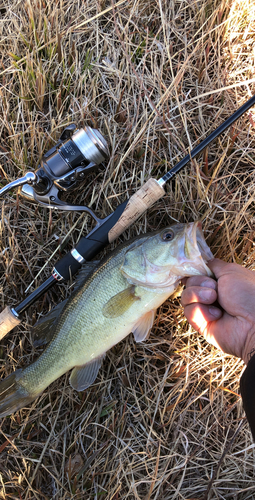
[218,131]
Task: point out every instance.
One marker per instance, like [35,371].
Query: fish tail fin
[12,395]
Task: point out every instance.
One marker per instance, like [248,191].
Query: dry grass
[164,420]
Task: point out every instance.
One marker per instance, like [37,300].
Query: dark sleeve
[247,387]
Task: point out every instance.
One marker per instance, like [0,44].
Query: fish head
[168,255]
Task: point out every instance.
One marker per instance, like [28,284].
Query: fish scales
[119,297]
[83,333]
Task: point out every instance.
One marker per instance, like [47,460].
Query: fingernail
[209,284]
[206,294]
[215,312]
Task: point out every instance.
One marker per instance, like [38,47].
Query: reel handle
[29,178]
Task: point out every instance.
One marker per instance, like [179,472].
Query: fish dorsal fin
[84,376]
[44,329]
[84,272]
[142,328]
[120,303]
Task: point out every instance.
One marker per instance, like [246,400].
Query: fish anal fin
[142,328]
[83,376]
[120,303]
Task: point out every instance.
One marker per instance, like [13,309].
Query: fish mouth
[200,242]
[195,244]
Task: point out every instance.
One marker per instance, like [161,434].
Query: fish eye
[167,235]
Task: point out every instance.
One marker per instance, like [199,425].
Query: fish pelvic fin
[141,330]
[12,395]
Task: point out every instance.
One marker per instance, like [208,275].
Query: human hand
[230,327]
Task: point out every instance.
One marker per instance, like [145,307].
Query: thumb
[219,267]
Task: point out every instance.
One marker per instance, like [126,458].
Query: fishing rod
[66,164]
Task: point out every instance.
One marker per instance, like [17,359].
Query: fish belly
[85,333]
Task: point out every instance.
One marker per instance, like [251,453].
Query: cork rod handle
[7,321]
[144,198]
[149,193]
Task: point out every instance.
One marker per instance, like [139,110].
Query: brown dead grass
[164,420]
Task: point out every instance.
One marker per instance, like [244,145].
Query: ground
[164,419]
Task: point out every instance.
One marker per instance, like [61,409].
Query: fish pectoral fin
[120,303]
[44,329]
[84,376]
[142,328]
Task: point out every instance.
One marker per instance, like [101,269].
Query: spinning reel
[64,166]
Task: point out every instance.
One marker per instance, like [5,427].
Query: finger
[219,267]
[198,294]
[199,315]
[204,281]
[216,326]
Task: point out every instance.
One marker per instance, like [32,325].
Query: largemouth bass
[120,296]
